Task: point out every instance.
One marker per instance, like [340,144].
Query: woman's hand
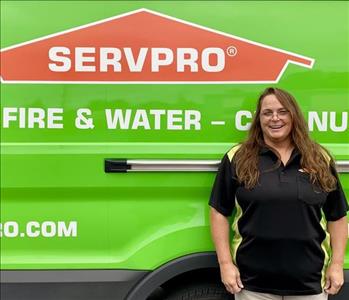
[230,276]
[334,278]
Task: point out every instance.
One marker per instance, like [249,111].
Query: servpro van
[114,116]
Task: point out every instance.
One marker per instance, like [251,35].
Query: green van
[114,116]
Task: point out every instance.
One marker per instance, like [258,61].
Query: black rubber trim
[116,165]
[30,276]
[68,284]
[170,270]
[107,284]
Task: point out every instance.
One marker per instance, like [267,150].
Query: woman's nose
[275,116]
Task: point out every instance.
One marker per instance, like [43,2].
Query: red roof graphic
[144,46]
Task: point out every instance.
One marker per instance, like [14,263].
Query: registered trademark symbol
[232,51]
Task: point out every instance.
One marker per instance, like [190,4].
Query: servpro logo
[124,60]
[144,47]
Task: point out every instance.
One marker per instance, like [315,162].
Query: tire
[200,291]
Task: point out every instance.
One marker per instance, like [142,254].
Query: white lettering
[36,116]
[81,59]
[212,59]
[10,229]
[157,61]
[141,120]
[157,117]
[110,57]
[205,59]
[48,229]
[71,231]
[83,119]
[135,66]
[53,115]
[7,117]
[238,120]
[152,119]
[118,117]
[192,118]
[344,122]
[22,117]
[33,229]
[171,119]
[65,63]
[187,57]
[321,124]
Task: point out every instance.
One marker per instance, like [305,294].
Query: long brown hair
[315,160]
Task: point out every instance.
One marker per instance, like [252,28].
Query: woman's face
[276,122]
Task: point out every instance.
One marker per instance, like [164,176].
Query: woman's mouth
[275,127]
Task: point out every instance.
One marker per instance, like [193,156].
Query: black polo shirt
[280,242]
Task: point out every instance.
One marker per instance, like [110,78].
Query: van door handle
[116,165]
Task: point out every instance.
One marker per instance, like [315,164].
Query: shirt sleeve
[224,188]
[336,205]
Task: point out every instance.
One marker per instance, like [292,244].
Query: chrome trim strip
[174,165]
[342,166]
[193,165]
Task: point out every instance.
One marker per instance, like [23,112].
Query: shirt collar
[265,149]
[294,154]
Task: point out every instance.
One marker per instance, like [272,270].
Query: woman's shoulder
[324,153]
[230,154]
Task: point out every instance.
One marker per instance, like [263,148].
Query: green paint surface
[143,220]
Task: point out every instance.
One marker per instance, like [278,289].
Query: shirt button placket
[283,175]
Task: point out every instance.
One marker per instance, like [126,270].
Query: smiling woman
[288,202]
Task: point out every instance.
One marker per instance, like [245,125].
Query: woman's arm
[339,235]
[220,234]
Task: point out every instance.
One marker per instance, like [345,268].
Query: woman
[290,226]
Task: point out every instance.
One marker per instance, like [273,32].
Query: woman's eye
[283,112]
[268,113]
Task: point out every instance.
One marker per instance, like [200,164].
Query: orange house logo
[145,47]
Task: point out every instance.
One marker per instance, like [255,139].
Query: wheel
[200,291]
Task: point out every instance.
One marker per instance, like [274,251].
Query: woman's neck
[281,146]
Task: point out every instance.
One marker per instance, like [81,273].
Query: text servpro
[86,59]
